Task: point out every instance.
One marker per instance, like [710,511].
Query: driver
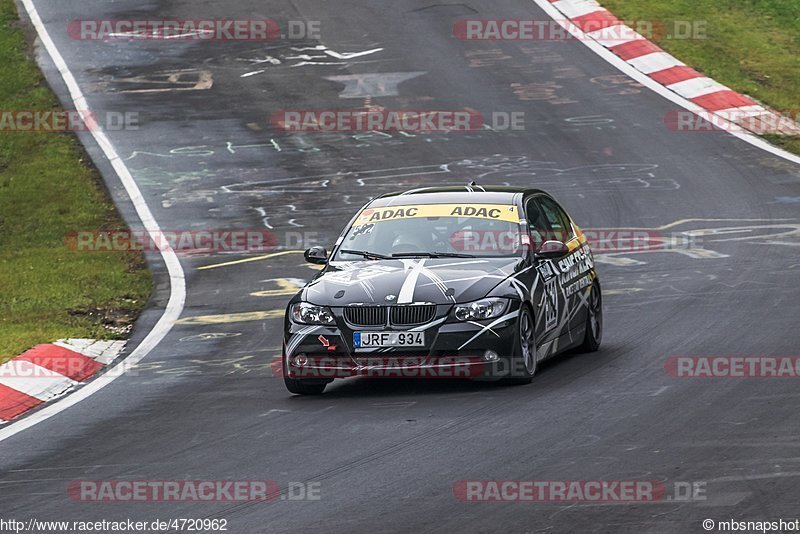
[412,238]
[537,225]
[415,242]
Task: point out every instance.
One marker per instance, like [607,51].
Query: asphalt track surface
[387,453]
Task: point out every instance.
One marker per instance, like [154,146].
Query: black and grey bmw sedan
[465,282]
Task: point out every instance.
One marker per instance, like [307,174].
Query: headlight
[305,313]
[480,309]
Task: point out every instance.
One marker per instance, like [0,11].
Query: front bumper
[460,350]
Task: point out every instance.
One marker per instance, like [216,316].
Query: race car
[466,282]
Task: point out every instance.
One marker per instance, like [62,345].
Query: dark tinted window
[557,219]
[538,223]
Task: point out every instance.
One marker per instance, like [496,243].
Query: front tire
[594,321]
[524,360]
[302,387]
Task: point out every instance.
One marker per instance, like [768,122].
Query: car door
[547,297]
[573,268]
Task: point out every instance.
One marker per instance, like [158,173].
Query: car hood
[405,281]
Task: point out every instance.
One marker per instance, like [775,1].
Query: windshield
[460,230]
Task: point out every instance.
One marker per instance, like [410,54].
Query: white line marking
[653,85]
[177,295]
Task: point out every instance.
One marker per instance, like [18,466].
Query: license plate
[388,339]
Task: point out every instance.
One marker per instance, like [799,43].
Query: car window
[538,223]
[558,220]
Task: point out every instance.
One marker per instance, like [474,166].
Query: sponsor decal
[581,283]
[546,270]
[494,212]
[578,263]
[551,304]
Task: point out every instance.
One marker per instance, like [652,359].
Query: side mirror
[317,255]
[551,249]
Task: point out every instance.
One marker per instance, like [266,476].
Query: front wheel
[524,360]
[594,321]
[302,387]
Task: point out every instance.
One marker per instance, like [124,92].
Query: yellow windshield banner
[493,212]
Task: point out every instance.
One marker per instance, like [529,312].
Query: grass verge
[47,189]
[752,46]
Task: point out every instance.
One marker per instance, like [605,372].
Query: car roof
[479,194]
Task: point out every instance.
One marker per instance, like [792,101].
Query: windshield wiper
[432,255]
[365,254]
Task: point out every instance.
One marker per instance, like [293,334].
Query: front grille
[365,315]
[398,315]
[410,315]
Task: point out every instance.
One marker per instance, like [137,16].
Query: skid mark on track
[373,84]
[160,82]
[249,260]
[286,288]
[313,191]
[304,56]
[231,318]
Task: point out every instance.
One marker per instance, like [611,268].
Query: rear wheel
[594,321]
[302,387]
[524,361]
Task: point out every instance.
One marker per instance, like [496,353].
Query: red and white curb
[47,372]
[604,28]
